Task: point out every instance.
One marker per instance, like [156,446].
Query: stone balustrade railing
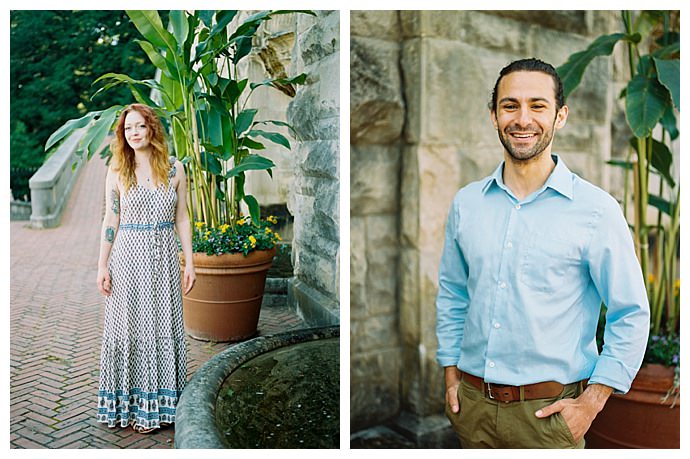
[52,183]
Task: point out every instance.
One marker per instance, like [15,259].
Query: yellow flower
[650,276]
[199,225]
[277,236]
[268,230]
[252,239]
[240,221]
[676,287]
[224,228]
[207,234]
[272,219]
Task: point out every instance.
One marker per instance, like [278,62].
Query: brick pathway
[56,324]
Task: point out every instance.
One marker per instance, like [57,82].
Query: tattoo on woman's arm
[116,201]
[110,234]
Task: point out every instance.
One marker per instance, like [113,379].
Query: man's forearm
[596,396]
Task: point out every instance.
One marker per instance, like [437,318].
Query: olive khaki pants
[485,423]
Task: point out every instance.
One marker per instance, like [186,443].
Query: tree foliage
[54,58]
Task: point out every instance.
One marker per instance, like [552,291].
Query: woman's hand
[188,279]
[103,281]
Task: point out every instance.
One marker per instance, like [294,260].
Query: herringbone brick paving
[56,316]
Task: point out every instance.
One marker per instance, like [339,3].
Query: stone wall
[313,198]
[420,129]
[306,178]
[377,118]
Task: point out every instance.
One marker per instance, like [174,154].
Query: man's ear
[561,117]
[492,117]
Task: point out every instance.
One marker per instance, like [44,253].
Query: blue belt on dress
[156,246]
[147,226]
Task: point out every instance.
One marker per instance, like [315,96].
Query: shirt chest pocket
[550,262]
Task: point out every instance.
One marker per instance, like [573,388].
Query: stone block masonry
[314,196]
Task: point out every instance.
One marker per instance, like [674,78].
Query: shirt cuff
[613,373]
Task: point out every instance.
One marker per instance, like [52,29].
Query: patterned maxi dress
[143,358]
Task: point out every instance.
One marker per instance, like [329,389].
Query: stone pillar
[314,196]
[377,113]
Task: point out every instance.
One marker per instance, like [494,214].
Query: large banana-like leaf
[571,72]
[250,163]
[254,209]
[272,136]
[661,159]
[149,24]
[97,132]
[297,79]
[645,103]
[668,121]
[180,26]
[669,75]
[245,120]
[69,127]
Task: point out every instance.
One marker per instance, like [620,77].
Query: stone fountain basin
[197,422]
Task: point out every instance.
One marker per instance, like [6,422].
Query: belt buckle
[489,391]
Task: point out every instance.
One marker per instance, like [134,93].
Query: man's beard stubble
[530,154]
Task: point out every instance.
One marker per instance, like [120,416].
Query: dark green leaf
[620,163]
[210,163]
[279,123]
[661,159]
[251,144]
[644,66]
[645,103]
[668,121]
[206,17]
[244,120]
[244,47]
[250,163]
[669,76]
[272,136]
[298,79]
[574,68]
[254,209]
[662,204]
[224,18]
[234,90]
[215,126]
[667,51]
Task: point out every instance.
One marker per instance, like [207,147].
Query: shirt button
[492,364]
[497,325]
[509,245]
[517,206]
[502,285]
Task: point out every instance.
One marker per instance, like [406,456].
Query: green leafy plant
[652,95]
[205,103]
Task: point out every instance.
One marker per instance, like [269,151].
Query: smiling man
[530,254]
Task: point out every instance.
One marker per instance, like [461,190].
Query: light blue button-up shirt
[521,284]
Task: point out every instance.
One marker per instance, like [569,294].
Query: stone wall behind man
[420,130]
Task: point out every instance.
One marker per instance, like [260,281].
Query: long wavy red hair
[123,155]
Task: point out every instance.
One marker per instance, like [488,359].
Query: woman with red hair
[143,357]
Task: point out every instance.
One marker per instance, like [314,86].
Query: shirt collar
[560,179]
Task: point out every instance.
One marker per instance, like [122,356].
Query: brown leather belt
[503,393]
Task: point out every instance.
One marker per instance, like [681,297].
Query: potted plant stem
[649,415]
[215,135]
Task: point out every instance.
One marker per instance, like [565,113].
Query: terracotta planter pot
[639,419]
[225,303]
